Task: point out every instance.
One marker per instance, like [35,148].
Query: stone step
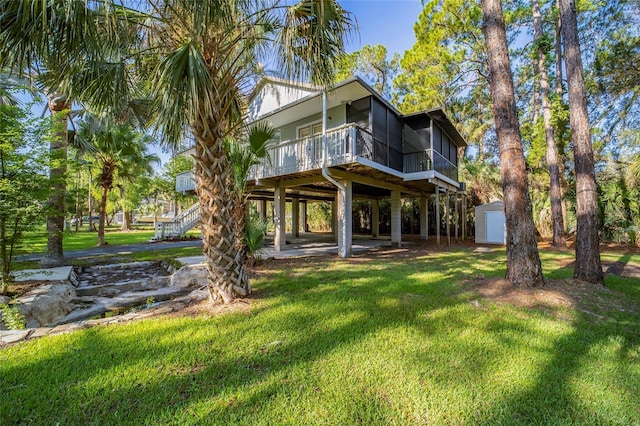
[102,305]
[113,289]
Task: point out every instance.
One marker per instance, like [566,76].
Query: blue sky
[388,22]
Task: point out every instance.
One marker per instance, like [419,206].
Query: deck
[346,145]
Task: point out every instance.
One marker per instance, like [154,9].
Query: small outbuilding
[490,223]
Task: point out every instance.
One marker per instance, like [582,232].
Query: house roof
[441,118]
[344,92]
[281,82]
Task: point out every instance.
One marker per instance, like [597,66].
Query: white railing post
[353,133]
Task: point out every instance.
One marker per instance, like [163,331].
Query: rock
[40,331]
[46,304]
[13,336]
[67,328]
[4,300]
[200,294]
[82,314]
[190,275]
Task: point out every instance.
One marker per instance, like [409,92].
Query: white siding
[273,96]
[481,224]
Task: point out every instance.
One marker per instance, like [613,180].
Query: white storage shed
[490,223]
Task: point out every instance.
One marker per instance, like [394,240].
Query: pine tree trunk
[558,41]
[222,228]
[559,239]
[564,185]
[57,189]
[588,267]
[523,260]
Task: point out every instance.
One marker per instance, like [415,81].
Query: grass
[372,340]
[36,241]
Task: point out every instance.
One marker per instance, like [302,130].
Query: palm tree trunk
[523,260]
[222,234]
[559,239]
[588,267]
[103,215]
[57,190]
[126,226]
[126,223]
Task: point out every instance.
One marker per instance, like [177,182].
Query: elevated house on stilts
[348,143]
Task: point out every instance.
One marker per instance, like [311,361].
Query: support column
[261,207]
[456,214]
[303,217]
[279,219]
[295,217]
[375,218]
[334,218]
[424,218]
[464,216]
[447,216]
[438,217]
[345,219]
[396,219]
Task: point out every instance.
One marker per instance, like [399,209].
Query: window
[309,130]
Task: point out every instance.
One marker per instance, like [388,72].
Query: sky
[388,22]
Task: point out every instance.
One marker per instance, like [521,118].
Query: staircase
[180,224]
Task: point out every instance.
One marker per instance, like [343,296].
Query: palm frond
[183,89]
[312,39]
[260,134]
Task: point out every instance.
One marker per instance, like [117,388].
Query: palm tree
[120,153]
[243,155]
[73,51]
[203,54]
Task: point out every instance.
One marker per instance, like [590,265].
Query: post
[334,218]
[345,220]
[375,218]
[303,217]
[456,215]
[396,219]
[438,217]
[424,218]
[295,217]
[447,215]
[464,216]
[279,219]
[261,207]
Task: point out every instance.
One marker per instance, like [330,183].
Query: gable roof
[343,92]
[280,82]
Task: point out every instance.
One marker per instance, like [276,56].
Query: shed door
[496,231]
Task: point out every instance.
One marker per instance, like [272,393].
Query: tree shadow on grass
[305,354]
[108,375]
[592,370]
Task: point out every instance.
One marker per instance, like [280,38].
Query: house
[349,143]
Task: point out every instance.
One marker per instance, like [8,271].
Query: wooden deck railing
[305,154]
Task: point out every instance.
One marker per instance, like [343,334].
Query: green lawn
[371,340]
[36,241]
